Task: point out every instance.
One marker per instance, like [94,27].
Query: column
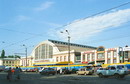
[86,57]
[90,57]
[95,57]
[111,56]
[106,61]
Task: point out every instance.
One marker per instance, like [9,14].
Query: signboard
[126,48]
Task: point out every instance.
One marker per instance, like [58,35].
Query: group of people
[13,73]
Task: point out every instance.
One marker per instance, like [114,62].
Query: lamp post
[68,48]
[25,54]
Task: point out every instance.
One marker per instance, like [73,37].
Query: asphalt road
[35,78]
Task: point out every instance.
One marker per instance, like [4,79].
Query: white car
[41,70]
[118,71]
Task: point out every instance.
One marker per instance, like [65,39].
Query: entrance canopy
[52,63]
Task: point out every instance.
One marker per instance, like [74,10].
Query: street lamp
[25,53]
[68,48]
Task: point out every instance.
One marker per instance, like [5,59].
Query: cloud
[86,28]
[44,6]
[22,18]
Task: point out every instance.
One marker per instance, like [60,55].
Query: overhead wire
[62,25]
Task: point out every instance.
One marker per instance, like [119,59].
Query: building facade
[10,62]
[26,61]
[106,56]
[57,51]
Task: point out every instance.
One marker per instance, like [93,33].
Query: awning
[100,60]
[92,62]
[52,63]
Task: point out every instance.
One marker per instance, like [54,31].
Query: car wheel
[85,73]
[77,73]
[116,75]
[53,73]
[100,75]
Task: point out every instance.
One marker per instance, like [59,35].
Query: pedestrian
[9,75]
[17,73]
[61,71]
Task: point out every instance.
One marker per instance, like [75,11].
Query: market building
[52,51]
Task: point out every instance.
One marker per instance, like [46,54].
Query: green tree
[17,56]
[10,56]
[3,54]
[14,56]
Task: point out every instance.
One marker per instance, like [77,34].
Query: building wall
[111,56]
[11,62]
[43,52]
[1,62]
[29,61]
[63,56]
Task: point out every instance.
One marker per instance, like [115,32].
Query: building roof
[63,46]
[10,58]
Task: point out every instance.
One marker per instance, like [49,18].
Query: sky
[89,22]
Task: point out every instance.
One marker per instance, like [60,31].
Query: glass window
[100,56]
[126,54]
[60,58]
[109,55]
[43,51]
[83,58]
[114,61]
[108,61]
[113,68]
[64,58]
[57,59]
[88,57]
[93,56]
[115,54]
[78,57]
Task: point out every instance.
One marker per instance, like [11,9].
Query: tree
[14,56]
[3,54]
[11,56]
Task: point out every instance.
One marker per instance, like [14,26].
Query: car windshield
[120,67]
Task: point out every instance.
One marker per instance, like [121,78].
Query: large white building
[52,52]
[57,51]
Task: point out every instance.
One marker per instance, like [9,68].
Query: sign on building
[126,48]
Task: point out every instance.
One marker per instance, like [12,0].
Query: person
[61,71]
[17,73]
[9,76]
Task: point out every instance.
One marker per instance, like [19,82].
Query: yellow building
[11,62]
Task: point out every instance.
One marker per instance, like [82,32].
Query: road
[35,78]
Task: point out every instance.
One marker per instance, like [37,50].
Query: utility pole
[25,54]
[68,48]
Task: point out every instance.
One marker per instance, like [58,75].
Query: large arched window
[43,51]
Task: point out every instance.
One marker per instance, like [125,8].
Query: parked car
[40,70]
[118,71]
[2,68]
[48,71]
[85,71]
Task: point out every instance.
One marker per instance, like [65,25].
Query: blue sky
[30,22]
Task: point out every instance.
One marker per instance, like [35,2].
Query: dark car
[48,71]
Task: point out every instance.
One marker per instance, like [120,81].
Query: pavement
[36,78]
